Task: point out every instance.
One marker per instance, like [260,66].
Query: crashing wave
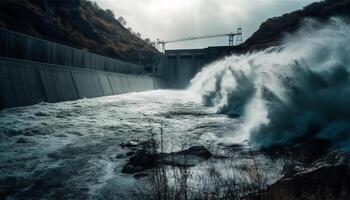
[287,94]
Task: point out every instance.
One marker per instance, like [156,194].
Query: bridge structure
[181,65]
[238,35]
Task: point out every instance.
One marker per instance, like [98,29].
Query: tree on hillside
[122,21]
[110,13]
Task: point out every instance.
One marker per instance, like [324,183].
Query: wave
[287,94]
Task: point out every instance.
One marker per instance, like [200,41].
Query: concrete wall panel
[116,84]
[26,83]
[65,85]
[8,97]
[126,82]
[20,85]
[87,84]
[105,84]
[48,77]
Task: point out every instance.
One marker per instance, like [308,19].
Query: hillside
[77,23]
[271,32]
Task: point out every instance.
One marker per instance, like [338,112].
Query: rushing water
[287,94]
[71,149]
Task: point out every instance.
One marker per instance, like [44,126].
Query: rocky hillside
[271,31]
[77,23]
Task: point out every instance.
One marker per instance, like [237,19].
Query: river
[72,149]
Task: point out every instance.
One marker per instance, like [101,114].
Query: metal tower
[239,38]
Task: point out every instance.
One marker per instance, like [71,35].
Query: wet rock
[187,158]
[130,153]
[306,152]
[199,151]
[326,178]
[141,161]
[144,160]
[131,143]
[42,114]
[119,156]
[138,144]
[140,175]
[22,140]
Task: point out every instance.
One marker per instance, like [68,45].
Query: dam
[34,70]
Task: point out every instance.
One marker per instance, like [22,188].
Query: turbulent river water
[279,96]
[72,150]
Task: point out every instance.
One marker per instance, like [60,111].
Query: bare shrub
[233,182]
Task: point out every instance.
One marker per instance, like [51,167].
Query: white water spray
[286,94]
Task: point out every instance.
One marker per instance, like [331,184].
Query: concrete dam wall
[33,70]
[21,46]
[183,64]
[25,83]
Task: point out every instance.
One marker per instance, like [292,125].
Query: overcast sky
[173,19]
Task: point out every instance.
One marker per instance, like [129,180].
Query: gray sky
[173,19]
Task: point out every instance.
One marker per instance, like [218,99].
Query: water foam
[286,94]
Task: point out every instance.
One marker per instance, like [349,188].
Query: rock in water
[326,178]
[141,161]
[199,151]
[144,160]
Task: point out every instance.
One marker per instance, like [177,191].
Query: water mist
[286,94]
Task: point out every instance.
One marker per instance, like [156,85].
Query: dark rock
[307,151]
[130,153]
[124,155]
[140,175]
[131,143]
[199,151]
[326,178]
[141,161]
[119,156]
[138,144]
[131,169]
[42,114]
[181,160]
[313,149]
[144,160]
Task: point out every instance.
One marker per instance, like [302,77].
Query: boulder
[199,151]
[141,161]
[144,160]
